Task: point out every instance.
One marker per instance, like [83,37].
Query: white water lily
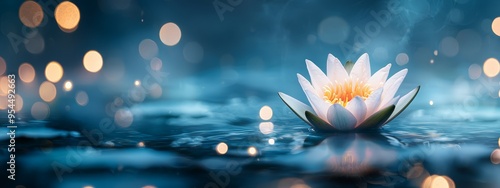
[349,100]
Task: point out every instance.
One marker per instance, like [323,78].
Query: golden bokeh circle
[67,16]
[4,85]
[27,73]
[3,66]
[92,61]
[31,14]
[68,85]
[266,113]
[170,34]
[19,103]
[491,67]
[221,148]
[54,72]
[495,26]
[47,91]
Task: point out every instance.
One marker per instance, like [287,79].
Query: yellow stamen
[342,93]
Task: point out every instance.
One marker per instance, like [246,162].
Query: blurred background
[87,63]
[216,50]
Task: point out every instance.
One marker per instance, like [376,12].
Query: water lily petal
[357,107]
[403,103]
[361,69]
[373,101]
[378,79]
[376,120]
[305,84]
[392,86]
[393,101]
[296,106]
[319,124]
[335,70]
[319,105]
[341,118]
[318,78]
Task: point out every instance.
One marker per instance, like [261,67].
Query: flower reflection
[347,154]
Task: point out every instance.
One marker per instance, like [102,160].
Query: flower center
[342,93]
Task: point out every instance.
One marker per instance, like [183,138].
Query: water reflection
[360,158]
[347,154]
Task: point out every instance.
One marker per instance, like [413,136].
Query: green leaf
[403,103]
[296,106]
[319,124]
[377,119]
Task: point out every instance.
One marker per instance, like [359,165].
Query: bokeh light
[47,91]
[40,111]
[439,182]
[499,138]
[54,72]
[491,67]
[155,91]
[68,85]
[495,26]
[333,30]
[252,151]
[271,141]
[474,71]
[137,83]
[137,94]
[4,85]
[26,73]
[431,102]
[156,64]
[436,181]
[67,16]
[3,66]
[449,46]
[3,102]
[436,52]
[124,117]
[82,98]
[35,44]
[193,52]
[221,148]
[495,156]
[266,127]
[402,59]
[170,34]
[266,113]
[92,61]
[148,49]
[31,14]
[19,103]
[141,144]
